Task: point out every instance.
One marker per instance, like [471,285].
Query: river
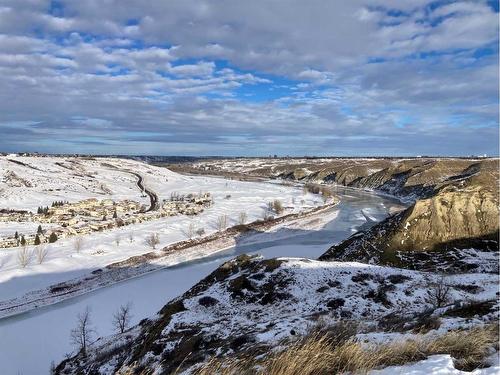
[31,341]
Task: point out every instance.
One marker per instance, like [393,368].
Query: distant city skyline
[200,78]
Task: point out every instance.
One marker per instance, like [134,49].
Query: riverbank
[153,261]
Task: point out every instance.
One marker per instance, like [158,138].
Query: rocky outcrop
[453,219]
[458,213]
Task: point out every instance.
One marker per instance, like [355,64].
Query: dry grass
[468,347]
[321,353]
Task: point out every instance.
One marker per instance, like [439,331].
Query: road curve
[153,197]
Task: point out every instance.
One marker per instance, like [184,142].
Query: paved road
[153,197]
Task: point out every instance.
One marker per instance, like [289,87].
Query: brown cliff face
[458,209]
[450,216]
[453,219]
[410,178]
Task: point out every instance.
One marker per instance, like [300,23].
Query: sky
[249,78]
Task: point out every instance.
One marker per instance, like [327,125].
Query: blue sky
[364,77]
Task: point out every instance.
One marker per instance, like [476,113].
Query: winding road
[153,197]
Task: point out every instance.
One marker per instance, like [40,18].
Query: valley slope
[388,280]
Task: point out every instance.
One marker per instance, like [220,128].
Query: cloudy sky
[225,77]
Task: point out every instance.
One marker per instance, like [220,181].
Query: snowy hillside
[254,304]
[41,180]
[29,182]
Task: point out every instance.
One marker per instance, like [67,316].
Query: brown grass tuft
[321,353]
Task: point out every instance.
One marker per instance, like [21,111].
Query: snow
[304,278]
[441,364]
[101,248]
[8,228]
[43,335]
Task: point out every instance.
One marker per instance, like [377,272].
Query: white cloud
[139,67]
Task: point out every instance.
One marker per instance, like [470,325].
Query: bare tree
[221,223]
[200,232]
[131,237]
[270,207]
[41,253]
[24,256]
[152,240]
[439,293]
[121,319]
[117,240]
[326,193]
[189,231]
[242,218]
[78,244]
[266,214]
[82,334]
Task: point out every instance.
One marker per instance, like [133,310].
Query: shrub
[242,218]
[278,206]
[41,253]
[335,303]
[52,237]
[221,223]
[189,231]
[78,244]
[439,293]
[207,301]
[397,278]
[152,240]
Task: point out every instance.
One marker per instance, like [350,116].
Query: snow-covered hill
[30,182]
[251,304]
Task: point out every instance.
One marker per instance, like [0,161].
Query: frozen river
[31,341]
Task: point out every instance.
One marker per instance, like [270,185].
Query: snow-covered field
[29,182]
[49,179]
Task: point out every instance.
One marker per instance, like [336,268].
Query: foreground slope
[252,304]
